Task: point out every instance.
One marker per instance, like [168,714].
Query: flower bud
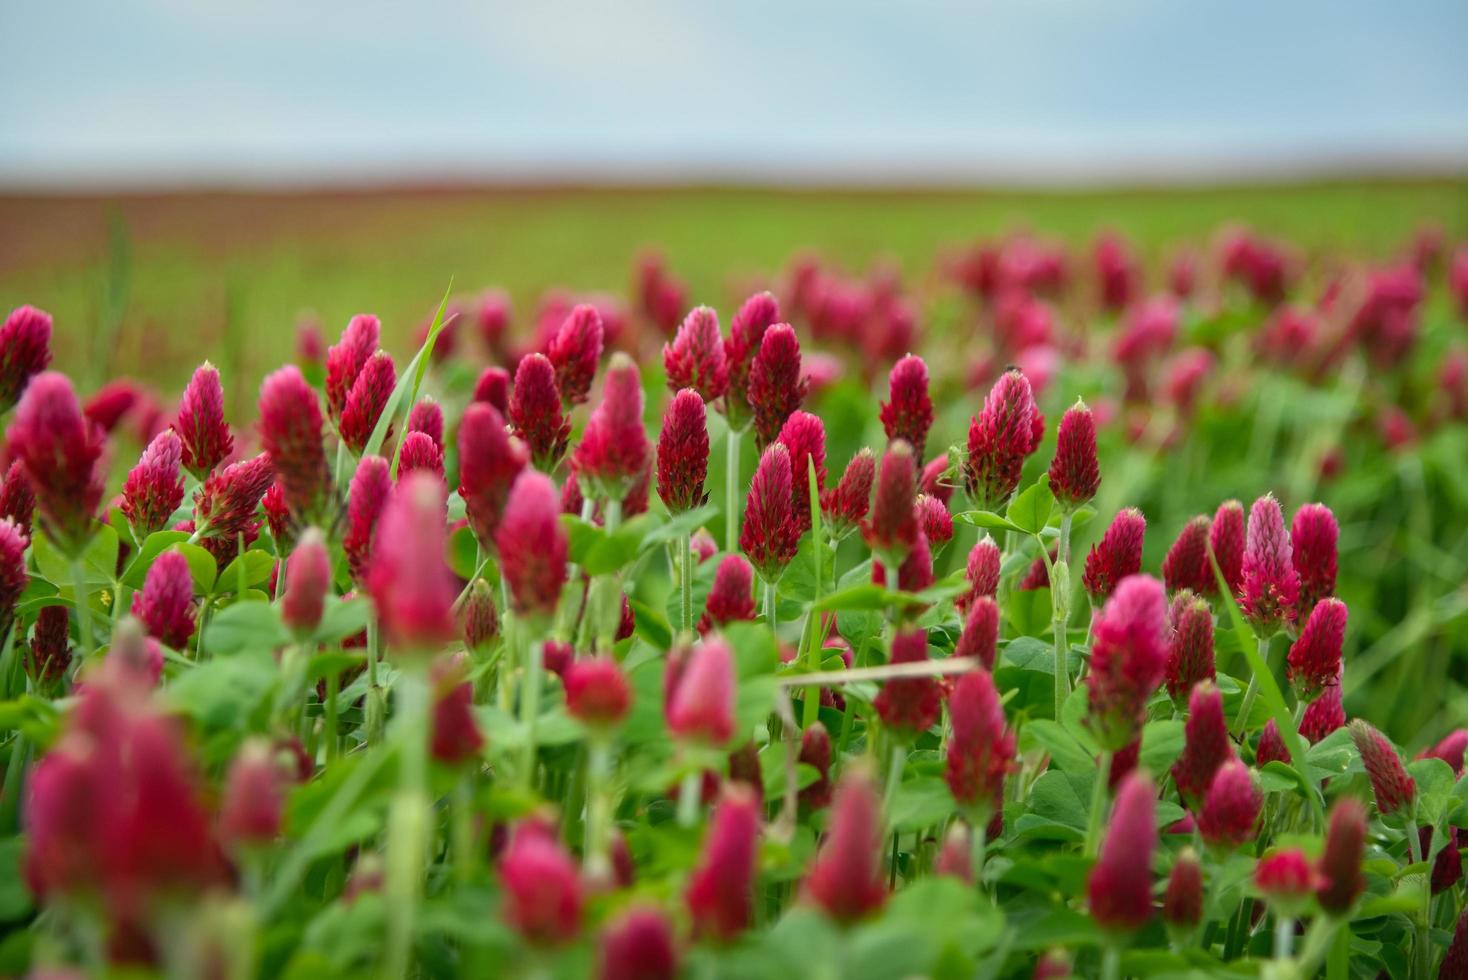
[999,439]
[535,412]
[1117,555]
[489,461]
[1394,789]
[844,506]
[25,351]
[1286,879]
[1454,965]
[1313,535]
[1271,746]
[1182,903]
[427,418]
[1315,657]
[613,452]
[1075,475]
[909,706]
[934,520]
[455,737]
[1120,885]
[908,412]
[770,536]
[981,749]
[290,434]
[892,528]
[1128,660]
[366,400]
[346,358]
[62,456]
[982,570]
[597,693]
[1226,538]
[532,546]
[419,453]
[804,435]
[166,603]
[816,752]
[638,945]
[846,880]
[683,453]
[307,584]
[543,892]
[1340,863]
[731,599]
[720,894]
[49,653]
[411,585]
[695,358]
[980,636]
[154,487]
[13,575]
[776,385]
[746,333]
[254,796]
[17,499]
[1231,807]
[1323,715]
[493,389]
[480,617]
[1207,745]
[701,705]
[1270,586]
[366,498]
[575,351]
[1449,750]
[1186,566]
[955,858]
[1190,649]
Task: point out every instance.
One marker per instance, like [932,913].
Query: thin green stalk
[1059,574]
[1251,692]
[407,843]
[688,798]
[731,490]
[980,847]
[598,807]
[894,777]
[461,815]
[1064,550]
[685,580]
[1421,944]
[771,616]
[1098,803]
[1284,936]
[1111,962]
[333,742]
[530,707]
[83,609]
[811,711]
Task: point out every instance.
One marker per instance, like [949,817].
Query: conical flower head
[980,636]
[49,653]
[776,385]
[154,487]
[366,400]
[13,574]
[908,412]
[346,358]
[1270,586]
[253,806]
[542,887]
[597,692]
[427,418]
[307,583]
[1271,747]
[804,435]
[638,945]
[844,506]
[489,462]
[720,894]
[1186,566]
[454,736]
[207,441]
[1117,555]
[166,603]
[1323,715]
[981,750]
[746,333]
[1207,745]
[909,706]
[731,599]
[1128,660]
[1449,750]
[411,585]
[419,453]
[63,459]
[366,497]
[1393,787]
[1120,885]
[683,452]
[770,535]
[1226,538]
[700,701]
[614,452]
[892,529]
[1075,474]
[999,439]
[846,881]
[695,358]
[532,546]
[1230,807]
[816,751]
[225,505]
[982,571]
[1340,863]
[1313,536]
[1286,878]
[934,521]
[25,351]
[535,412]
[493,389]
[481,618]
[290,433]
[1182,903]
[1190,649]
[575,352]
[1315,657]
[17,499]
[955,860]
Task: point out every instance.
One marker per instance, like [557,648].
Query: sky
[167,92]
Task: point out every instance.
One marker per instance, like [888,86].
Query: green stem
[688,800]
[1111,962]
[1421,944]
[980,847]
[731,490]
[83,610]
[771,616]
[1284,936]
[1242,718]
[685,580]
[462,817]
[407,818]
[598,808]
[1098,803]
[1064,550]
[894,777]
[333,745]
[530,706]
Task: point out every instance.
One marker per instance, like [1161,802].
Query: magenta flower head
[846,881]
[346,358]
[816,752]
[1313,535]
[62,456]
[999,439]
[489,461]
[535,412]
[597,692]
[701,702]
[1449,750]
[1226,539]
[746,333]
[982,570]
[909,706]
[532,546]
[418,452]
[1271,747]
[1128,660]
[934,521]
[1230,807]
[908,412]
[543,891]
[166,603]
[844,506]
[1207,745]
[49,653]
[207,441]
[493,388]
[307,583]
[253,806]
[804,435]
[770,535]
[1323,715]
[1190,650]
[13,574]
[1315,657]
[638,945]
[1120,885]
[1270,586]
[1075,475]
[366,400]
[980,636]
[17,499]
[683,452]
[575,351]
[427,418]
[891,529]
[1117,555]
[1393,787]
[613,451]
[1186,566]
[411,585]
[154,487]
[454,733]
[366,498]
[1182,903]
[481,621]
[1286,878]
[1340,863]
[776,385]
[695,358]
[1118,272]
[225,505]
[290,432]
[25,351]
[720,894]
[981,750]
[731,599]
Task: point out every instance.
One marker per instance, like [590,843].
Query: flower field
[1047,610]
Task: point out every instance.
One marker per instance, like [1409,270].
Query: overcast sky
[158,91]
